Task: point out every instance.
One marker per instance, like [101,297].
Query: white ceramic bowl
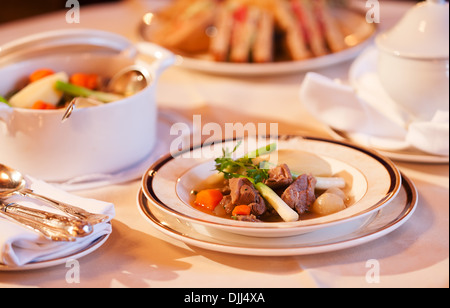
[413,62]
[96,140]
[372,182]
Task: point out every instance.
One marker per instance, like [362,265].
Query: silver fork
[52,226]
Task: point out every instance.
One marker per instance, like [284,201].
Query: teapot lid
[422,33]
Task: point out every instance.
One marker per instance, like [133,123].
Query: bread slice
[334,36]
[220,42]
[294,38]
[306,16]
[185,28]
[244,32]
[263,47]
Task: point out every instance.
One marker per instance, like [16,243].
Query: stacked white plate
[382,200]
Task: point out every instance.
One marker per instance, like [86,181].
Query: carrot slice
[40,73]
[41,105]
[209,198]
[89,81]
[241,210]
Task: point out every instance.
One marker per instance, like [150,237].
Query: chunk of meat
[258,209]
[226,188]
[250,218]
[227,205]
[300,195]
[279,177]
[242,192]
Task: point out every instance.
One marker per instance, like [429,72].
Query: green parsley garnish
[244,166]
[3,100]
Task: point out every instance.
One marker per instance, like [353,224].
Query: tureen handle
[160,58]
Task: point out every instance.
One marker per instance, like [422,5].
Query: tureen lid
[65,41]
[422,33]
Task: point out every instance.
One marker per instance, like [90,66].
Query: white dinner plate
[86,250]
[358,34]
[400,155]
[371,183]
[330,239]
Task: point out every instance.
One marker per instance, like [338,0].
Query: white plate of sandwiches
[258,37]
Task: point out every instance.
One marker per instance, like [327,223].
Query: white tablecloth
[136,255]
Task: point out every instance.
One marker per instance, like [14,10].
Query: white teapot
[413,60]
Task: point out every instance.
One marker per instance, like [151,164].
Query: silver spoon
[80,102]
[126,82]
[12,182]
[129,80]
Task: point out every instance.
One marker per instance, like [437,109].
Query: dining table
[137,255]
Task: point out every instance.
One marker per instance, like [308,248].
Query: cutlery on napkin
[365,111]
[19,245]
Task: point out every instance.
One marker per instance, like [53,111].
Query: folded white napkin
[365,111]
[20,246]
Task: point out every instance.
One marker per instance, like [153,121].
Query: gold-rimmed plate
[372,182]
[381,223]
